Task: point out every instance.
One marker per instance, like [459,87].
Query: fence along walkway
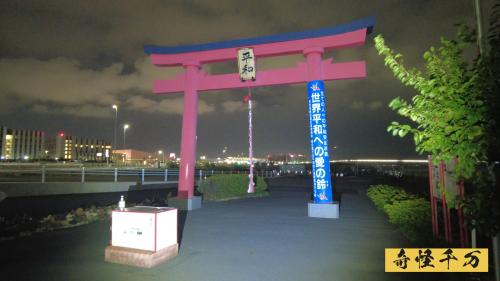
[83,174]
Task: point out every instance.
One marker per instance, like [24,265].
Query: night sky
[64,63]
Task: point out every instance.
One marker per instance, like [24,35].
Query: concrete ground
[251,239]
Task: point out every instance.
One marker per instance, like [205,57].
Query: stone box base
[324,210]
[140,258]
[185,204]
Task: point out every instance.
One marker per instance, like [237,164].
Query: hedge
[227,187]
[382,195]
[411,214]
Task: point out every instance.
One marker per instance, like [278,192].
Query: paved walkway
[252,239]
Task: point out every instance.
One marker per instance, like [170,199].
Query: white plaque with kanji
[246,64]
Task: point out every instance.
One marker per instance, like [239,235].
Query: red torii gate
[312,44]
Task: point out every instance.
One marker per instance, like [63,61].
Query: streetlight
[160,162]
[115,107]
[125,127]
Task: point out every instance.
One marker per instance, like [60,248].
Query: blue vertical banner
[319,142]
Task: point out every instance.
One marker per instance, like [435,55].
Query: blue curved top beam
[367,23]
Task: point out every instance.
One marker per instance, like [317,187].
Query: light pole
[160,152]
[115,107]
[125,127]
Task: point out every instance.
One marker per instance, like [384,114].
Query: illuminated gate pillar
[314,72]
[188,139]
[314,65]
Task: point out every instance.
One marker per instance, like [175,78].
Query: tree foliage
[490,75]
[448,111]
[482,205]
[456,114]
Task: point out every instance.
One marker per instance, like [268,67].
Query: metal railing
[45,174]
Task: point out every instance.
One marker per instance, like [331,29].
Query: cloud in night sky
[63,81]
[64,63]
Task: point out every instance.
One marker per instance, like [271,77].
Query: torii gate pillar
[314,66]
[188,139]
[185,199]
[312,44]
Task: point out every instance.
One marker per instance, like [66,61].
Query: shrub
[382,195]
[18,224]
[25,225]
[412,216]
[48,223]
[226,187]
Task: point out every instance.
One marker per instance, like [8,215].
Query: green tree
[448,112]
[482,204]
[490,74]
[455,114]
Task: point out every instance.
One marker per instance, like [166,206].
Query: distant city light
[242,160]
[26,157]
[61,134]
[383,160]
[172,155]
[203,157]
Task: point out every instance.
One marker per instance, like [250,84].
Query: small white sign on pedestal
[143,236]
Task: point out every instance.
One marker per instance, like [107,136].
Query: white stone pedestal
[185,204]
[323,210]
[142,236]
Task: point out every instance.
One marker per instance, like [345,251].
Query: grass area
[228,187]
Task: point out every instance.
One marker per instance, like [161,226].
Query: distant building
[21,144]
[134,157]
[3,132]
[81,149]
[50,148]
